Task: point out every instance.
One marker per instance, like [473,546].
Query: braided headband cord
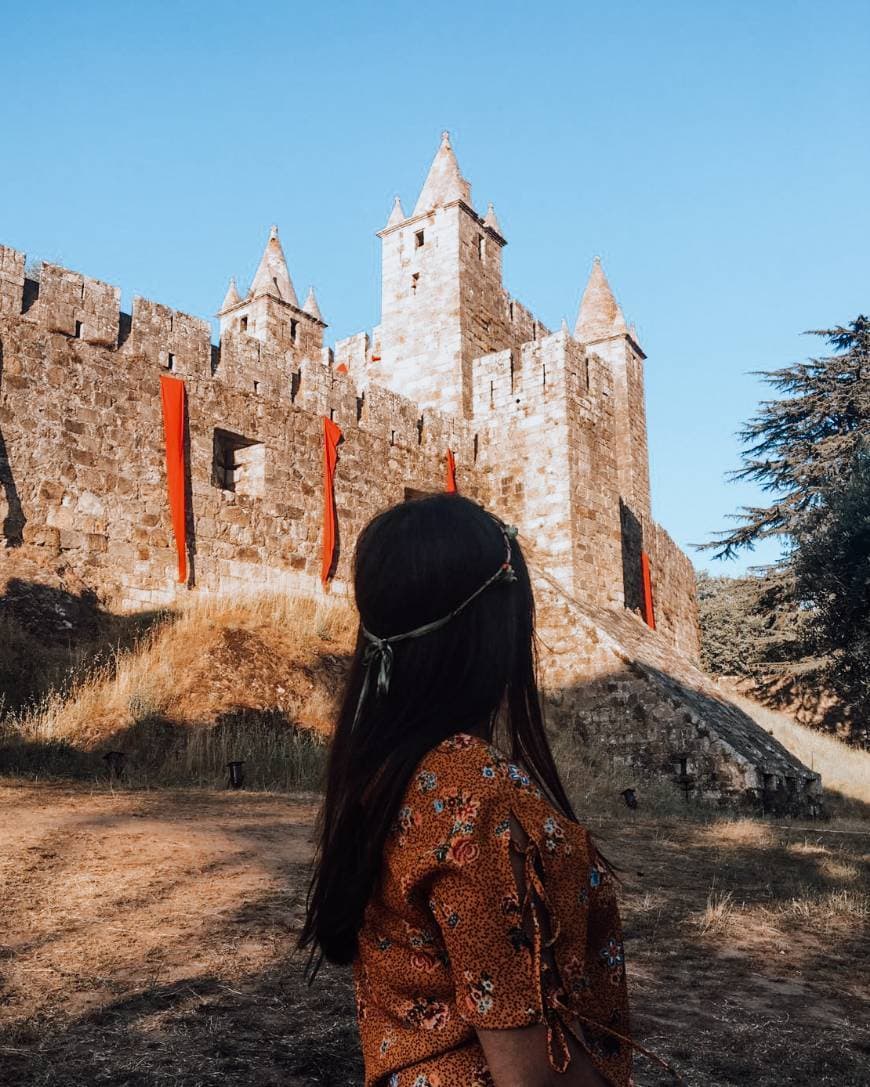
[381,649]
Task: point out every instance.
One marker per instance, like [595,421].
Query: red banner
[648,612]
[451,472]
[172,398]
[331,437]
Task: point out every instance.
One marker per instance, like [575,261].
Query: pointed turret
[444,182]
[599,315]
[397,215]
[272,276]
[311,307]
[232,297]
[491,220]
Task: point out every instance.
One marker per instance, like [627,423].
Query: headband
[380,650]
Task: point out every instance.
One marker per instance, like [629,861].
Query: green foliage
[749,623]
[804,442]
[831,564]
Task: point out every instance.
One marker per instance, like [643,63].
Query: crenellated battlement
[169,340]
[548,427]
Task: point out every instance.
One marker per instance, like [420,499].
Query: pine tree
[805,442]
[831,565]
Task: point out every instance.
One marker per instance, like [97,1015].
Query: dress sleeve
[487,893]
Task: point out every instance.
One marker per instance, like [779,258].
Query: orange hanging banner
[172,397]
[451,472]
[648,612]
[331,437]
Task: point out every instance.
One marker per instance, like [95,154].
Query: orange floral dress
[444,950]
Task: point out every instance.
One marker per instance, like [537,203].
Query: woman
[479,917]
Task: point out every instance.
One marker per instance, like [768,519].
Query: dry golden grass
[738,832]
[844,769]
[215,654]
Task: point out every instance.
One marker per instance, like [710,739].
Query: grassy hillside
[252,679]
[256,678]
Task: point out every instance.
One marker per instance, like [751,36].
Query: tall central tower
[442,299]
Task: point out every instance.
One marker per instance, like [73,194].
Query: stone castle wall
[548,429]
[82,455]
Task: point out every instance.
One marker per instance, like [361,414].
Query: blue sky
[716,156]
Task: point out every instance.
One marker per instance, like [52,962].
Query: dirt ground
[146,939]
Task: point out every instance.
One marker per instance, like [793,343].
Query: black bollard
[116,762]
[237,776]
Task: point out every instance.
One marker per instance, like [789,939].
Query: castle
[547,428]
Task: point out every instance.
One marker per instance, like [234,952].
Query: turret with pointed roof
[272,276]
[232,297]
[599,315]
[311,307]
[444,182]
[491,220]
[397,214]
[270,312]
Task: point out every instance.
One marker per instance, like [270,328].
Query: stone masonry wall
[83,457]
[83,460]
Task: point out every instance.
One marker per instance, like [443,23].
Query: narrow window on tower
[294,331]
[419,239]
[415,282]
[243,324]
[481,247]
[170,362]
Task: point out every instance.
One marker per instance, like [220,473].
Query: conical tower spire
[444,182]
[232,297]
[599,315]
[397,215]
[311,307]
[491,220]
[272,275]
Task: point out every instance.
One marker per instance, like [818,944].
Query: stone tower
[601,328]
[442,300]
[602,331]
[271,312]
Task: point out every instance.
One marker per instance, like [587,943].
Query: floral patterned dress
[445,948]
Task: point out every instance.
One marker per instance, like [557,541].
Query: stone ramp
[624,687]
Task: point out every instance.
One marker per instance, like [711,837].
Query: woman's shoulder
[464,758]
[473,766]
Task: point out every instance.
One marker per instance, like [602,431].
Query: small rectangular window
[481,247]
[78,330]
[243,324]
[256,386]
[238,463]
[170,362]
[294,331]
[419,239]
[415,282]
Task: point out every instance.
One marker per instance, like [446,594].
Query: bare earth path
[146,939]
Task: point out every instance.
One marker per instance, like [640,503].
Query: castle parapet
[525,325]
[11,280]
[77,306]
[176,341]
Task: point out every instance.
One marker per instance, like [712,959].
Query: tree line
[808,613]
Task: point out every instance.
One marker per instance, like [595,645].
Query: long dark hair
[414,563]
